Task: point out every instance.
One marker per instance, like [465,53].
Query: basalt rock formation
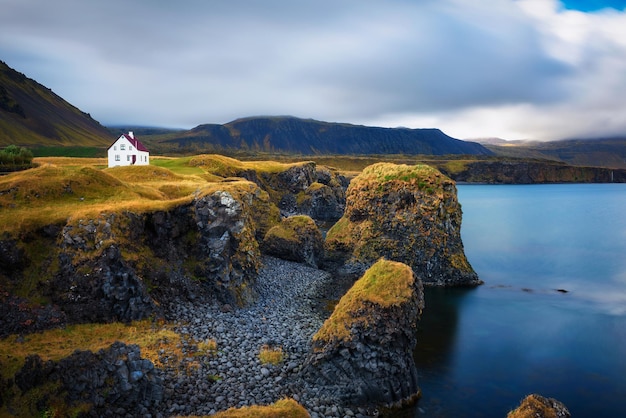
[92,382]
[363,354]
[404,213]
[296,238]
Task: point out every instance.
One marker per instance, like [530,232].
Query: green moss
[385,284]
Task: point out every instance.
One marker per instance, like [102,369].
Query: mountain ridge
[310,137]
[32,115]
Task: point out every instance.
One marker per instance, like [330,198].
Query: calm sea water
[480,351]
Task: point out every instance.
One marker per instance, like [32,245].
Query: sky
[513,69]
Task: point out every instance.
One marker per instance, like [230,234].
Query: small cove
[551,316]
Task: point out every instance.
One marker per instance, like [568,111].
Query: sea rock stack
[363,353]
[403,213]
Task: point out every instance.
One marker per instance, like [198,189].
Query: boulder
[536,406]
[404,213]
[363,353]
[296,238]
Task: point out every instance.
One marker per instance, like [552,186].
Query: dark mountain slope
[31,114]
[308,136]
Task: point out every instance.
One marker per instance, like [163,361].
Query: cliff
[363,354]
[104,249]
[403,213]
[518,171]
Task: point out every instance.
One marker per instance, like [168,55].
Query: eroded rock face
[404,213]
[304,189]
[363,354]
[124,266]
[536,406]
[116,376]
[296,238]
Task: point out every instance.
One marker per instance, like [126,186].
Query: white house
[127,150]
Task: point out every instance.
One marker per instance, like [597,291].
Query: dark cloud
[443,62]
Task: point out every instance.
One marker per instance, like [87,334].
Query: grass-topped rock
[403,213]
[296,188]
[295,238]
[363,353]
[90,245]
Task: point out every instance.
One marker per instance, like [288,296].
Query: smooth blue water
[480,351]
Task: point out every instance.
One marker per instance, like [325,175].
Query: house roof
[135,142]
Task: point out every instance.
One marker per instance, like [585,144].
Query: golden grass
[384,172]
[284,408]
[271,355]
[56,344]
[386,283]
[52,194]
[72,161]
[207,347]
[227,167]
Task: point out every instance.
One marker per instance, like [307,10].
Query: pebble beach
[285,317]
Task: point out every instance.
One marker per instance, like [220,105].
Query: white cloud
[525,68]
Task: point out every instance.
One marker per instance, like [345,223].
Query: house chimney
[130,133]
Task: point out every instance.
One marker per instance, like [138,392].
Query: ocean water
[551,316]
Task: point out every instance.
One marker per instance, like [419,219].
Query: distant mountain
[308,137]
[598,152]
[32,115]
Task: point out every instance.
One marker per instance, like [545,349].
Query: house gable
[127,150]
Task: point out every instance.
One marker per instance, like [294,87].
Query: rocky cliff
[297,189]
[404,213]
[517,171]
[122,266]
[363,354]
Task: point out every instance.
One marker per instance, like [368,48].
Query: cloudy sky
[514,69]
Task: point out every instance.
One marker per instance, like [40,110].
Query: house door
[134,159]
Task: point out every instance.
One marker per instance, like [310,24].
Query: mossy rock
[404,213]
[385,285]
[536,406]
[363,353]
[296,238]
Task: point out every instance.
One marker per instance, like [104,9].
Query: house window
[128,158]
[130,148]
[114,147]
[117,157]
[123,147]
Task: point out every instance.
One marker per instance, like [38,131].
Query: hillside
[600,152]
[285,134]
[33,115]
